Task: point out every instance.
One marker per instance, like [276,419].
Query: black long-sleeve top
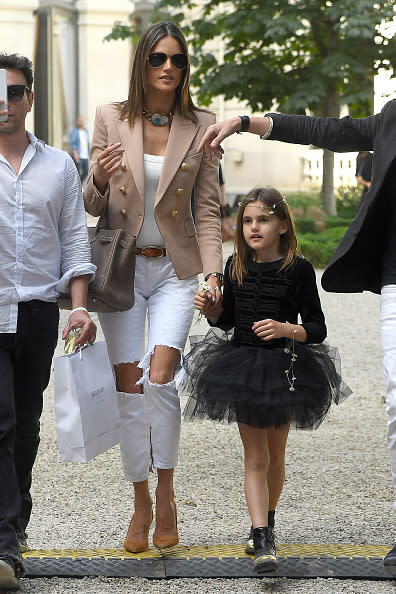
[268,292]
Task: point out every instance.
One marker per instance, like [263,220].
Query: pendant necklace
[156,118]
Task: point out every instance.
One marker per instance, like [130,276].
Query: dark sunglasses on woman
[157,59]
[16,92]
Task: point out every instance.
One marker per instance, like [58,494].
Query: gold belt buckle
[153,247]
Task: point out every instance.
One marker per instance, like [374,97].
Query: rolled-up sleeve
[73,232]
[95,202]
[207,211]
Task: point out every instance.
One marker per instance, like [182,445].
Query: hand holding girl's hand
[208,308]
[269,329]
[106,163]
[214,290]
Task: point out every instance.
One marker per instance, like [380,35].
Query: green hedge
[337,222]
[303,200]
[319,247]
[305,225]
[348,199]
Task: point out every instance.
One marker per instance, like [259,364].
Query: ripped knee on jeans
[163,364]
[127,376]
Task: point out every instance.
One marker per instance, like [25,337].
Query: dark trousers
[82,167]
[25,366]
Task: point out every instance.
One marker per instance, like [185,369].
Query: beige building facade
[75,70]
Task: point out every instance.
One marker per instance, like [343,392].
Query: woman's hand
[214,292]
[204,303]
[106,163]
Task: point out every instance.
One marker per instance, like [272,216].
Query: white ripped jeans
[388,334]
[150,422]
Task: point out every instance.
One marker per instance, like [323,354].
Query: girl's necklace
[156,118]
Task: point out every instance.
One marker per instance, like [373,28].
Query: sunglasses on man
[157,59]
[16,92]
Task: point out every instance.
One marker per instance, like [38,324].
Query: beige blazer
[192,247]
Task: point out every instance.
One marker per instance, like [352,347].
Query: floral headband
[271,208]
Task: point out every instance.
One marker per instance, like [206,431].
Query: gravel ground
[338,487]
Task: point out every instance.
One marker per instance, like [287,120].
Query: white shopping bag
[86,408]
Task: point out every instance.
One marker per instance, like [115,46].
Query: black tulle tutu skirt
[262,386]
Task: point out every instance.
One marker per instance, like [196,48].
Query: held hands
[214,292]
[106,163]
[80,319]
[207,305]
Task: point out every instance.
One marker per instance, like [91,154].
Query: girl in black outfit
[271,371]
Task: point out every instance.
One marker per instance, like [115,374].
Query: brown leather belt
[151,251]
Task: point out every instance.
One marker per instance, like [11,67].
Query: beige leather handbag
[113,252]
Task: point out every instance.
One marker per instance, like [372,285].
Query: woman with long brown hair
[144,166]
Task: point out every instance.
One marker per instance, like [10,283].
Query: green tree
[298,55]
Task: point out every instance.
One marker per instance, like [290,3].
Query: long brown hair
[134,105]
[287,241]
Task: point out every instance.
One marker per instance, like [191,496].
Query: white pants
[150,422]
[388,334]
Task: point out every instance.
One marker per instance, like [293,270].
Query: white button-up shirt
[43,232]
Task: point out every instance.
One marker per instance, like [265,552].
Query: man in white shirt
[79,141]
[44,249]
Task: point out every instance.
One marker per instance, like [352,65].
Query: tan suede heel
[134,545]
[165,541]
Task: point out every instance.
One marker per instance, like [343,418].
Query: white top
[149,233]
[83,152]
[44,238]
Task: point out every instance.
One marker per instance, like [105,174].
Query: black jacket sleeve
[336,134]
[310,309]
[366,171]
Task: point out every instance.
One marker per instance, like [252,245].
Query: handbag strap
[105,218]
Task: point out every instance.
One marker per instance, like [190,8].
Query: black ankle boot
[271,518]
[249,546]
[264,550]
[390,561]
